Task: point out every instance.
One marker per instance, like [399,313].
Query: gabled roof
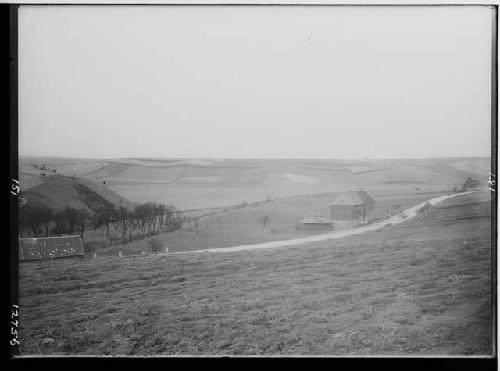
[366,197]
[50,247]
[315,220]
[353,198]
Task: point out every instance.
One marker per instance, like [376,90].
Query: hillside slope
[58,192]
[208,183]
[418,288]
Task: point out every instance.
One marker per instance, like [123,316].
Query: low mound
[58,192]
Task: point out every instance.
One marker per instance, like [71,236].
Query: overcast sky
[254,82]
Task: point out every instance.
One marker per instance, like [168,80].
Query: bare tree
[169,216]
[72,219]
[162,210]
[142,215]
[124,217]
[33,217]
[104,217]
[83,217]
[109,217]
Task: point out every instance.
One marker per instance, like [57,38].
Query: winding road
[396,219]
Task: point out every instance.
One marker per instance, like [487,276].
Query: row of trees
[146,219]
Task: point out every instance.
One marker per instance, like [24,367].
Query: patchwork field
[208,183]
[421,287]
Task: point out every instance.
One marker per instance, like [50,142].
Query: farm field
[232,195]
[195,181]
[208,183]
[421,287]
[240,226]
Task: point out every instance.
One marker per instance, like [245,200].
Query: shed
[50,247]
[352,205]
[314,223]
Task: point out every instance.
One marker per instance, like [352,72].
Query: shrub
[155,244]
[92,246]
[264,221]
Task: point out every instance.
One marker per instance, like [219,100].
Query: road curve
[396,219]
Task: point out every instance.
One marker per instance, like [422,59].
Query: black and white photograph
[255,180]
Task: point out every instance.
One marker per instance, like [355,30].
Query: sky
[254,82]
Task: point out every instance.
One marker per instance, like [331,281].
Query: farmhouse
[352,206]
[313,223]
[50,247]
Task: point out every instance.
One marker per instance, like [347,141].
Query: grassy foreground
[422,287]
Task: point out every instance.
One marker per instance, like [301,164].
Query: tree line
[144,219]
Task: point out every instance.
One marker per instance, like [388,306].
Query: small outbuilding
[50,247]
[352,206]
[314,223]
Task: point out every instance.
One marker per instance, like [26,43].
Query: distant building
[314,223]
[50,247]
[352,206]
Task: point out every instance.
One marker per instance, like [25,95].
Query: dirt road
[396,219]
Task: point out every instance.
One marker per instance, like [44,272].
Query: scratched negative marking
[14,187]
[492,182]
[14,325]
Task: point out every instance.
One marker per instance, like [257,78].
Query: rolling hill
[58,192]
[208,183]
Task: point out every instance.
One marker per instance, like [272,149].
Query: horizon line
[252,158]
